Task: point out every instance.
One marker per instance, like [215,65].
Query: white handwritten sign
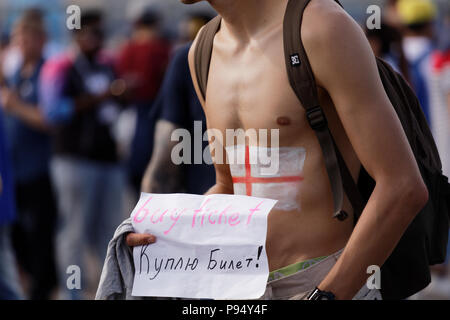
[207,246]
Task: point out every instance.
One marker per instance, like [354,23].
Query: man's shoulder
[191,63]
[324,13]
[324,23]
[193,46]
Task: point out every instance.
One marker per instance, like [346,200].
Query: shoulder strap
[203,52]
[302,81]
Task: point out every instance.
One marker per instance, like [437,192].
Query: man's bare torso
[248,88]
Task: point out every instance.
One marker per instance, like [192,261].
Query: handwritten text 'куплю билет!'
[214,245]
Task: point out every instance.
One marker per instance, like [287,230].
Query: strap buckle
[341,215]
[316,118]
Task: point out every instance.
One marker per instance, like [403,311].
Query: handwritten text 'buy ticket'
[207,246]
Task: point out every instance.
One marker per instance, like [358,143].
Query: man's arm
[162,175]
[343,64]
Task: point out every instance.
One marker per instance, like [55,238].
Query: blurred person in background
[9,279]
[386,44]
[417,18]
[11,55]
[390,14]
[439,113]
[142,63]
[4,43]
[189,27]
[87,174]
[440,119]
[29,147]
[177,107]
[440,92]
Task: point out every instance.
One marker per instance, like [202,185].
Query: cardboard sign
[207,246]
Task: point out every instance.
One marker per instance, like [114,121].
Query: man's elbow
[413,195]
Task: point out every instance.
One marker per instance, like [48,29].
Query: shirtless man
[248,88]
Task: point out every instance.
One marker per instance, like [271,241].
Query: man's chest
[250,90]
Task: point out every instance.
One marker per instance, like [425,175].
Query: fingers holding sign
[139,239]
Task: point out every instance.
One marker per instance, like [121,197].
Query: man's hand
[139,239]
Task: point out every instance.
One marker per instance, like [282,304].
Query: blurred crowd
[84,131]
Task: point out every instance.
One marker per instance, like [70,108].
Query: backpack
[424,243]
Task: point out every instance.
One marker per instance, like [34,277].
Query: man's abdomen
[300,226]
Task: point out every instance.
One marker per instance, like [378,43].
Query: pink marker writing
[142,209]
[196,211]
[252,211]
[174,217]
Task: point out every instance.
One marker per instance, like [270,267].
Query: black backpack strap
[303,83]
[203,52]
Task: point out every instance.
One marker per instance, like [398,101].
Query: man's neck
[246,19]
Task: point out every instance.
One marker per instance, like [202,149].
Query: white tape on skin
[250,174]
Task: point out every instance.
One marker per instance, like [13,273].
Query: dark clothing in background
[144,63]
[33,235]
[7,203]
[29,148]
[177,102]
[141,148]
[86,171]
[88,134]
[9,279]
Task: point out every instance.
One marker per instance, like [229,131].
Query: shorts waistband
[302,280]
[293,268]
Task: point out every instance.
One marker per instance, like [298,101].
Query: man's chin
[190,1]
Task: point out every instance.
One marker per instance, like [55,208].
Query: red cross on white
[248,179]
